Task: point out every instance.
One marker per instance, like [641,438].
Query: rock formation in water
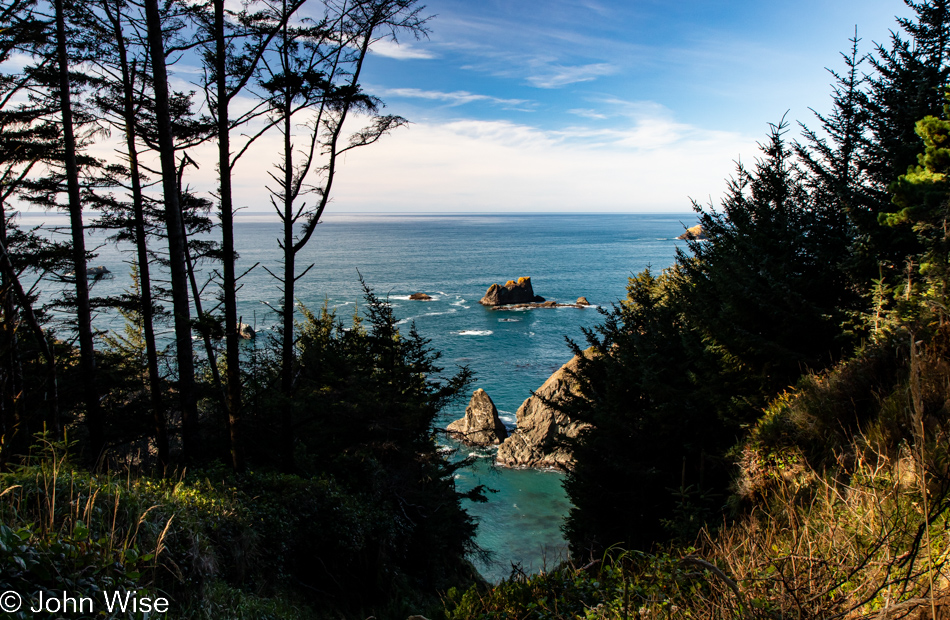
[582,301]
[512,292]
[420,297]
[693,233]
[537,440]
[246,332]
[481,425]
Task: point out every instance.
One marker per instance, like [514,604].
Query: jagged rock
[582,301]
[694,233]
[246,331]
[536,441]
[420,297]
[512,292]
[481,425]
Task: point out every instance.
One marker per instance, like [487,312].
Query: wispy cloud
[591,114]
[400,51]
[458,97]
[556,76]
[478,165]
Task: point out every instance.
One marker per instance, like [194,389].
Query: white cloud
[555,76]
[585,113]
[649,162]
[468,165]
[458,97]
[400,51]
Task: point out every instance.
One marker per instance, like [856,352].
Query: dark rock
[537,440]
[246,331]
[512,292]
[481,425]
[420,297]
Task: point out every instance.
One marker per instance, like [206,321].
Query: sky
[595,105]
[581,105]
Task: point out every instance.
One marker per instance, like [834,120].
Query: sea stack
[481,425]
[538,440]
[512,292]
[693,233]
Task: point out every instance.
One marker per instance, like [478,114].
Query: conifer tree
[316,72]
[906,85]
[174,228]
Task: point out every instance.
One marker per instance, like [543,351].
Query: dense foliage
[806,259]
[370,521]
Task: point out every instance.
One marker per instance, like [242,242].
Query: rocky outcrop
[512,292]
[246,332]
[541,429]
[693,233]
[582,301]
[420,297]
[481,425]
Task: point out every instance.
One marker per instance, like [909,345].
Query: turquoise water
[454,258]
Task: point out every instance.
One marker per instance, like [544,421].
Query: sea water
[454,259]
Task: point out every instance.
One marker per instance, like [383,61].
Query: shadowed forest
[767,419]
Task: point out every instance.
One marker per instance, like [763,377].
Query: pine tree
[905,86]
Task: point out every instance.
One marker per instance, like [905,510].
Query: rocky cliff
[512,292]
[481,425]
[536,441]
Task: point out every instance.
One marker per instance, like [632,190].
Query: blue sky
[577,105]
[594,105]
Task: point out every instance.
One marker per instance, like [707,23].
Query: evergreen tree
[691,357]
[770,285]
[315,71]
[922,198]
[905,86]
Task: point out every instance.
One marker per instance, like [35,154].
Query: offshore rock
[420,297]
[512,292]
[537,442]
[246,332]
[582,301]
[693,233]
[481,425]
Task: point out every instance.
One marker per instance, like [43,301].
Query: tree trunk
[87,353]
[287,343]
[12,424]
[141,248]
[175,230]
[20,420]
[229,285]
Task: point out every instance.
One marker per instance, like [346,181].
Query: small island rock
[693,233]
[512,292]
[537,442]
[246,332]
[481,425]
[420,297]
[582,301]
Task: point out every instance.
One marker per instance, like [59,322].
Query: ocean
[455,258]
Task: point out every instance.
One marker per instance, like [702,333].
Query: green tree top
[922,195]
